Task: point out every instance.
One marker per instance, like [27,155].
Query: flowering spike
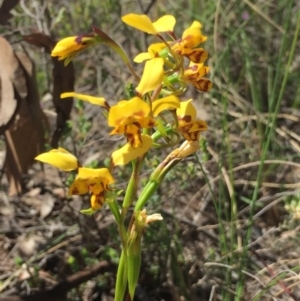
[165,77]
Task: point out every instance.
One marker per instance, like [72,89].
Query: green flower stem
[175,118]
[173,79]
[122,276]
[157,135]
[156,179]
[171,137]
[147,192]
[167,168]
[114,208]
[166,145]
[132,185]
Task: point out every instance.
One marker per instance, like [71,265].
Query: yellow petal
[79,187]
[100,101]
[97,201]
[71,45]
[103,174]
[126,109]
[127,153]
[187,148]
[202,84]
[195,71]
[154,217]
[187,111]
[59,158]
[152,76]
[195,55]
[134,139]
[165,23]
[198,126]
[65,46]
[140,22]
[153,51]
[155,48]
[142,57]
[192,36]
[166,103]
[191,130]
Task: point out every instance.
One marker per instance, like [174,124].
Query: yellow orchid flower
[128,117]
[188,125]
[95,181]
[191,38]
[59,158]
[186,113]
[68,47]
[143,23]
[194,73]
[99,101]
[152,76]
[127,153]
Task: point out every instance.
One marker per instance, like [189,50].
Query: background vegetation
[231,216]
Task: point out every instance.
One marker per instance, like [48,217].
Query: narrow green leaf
[121,281]
[89,211]
[106,39]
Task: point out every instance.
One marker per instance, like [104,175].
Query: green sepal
[113,205]
[89,211]
[158,134]
[164,52]
[68,60]
[161,128]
